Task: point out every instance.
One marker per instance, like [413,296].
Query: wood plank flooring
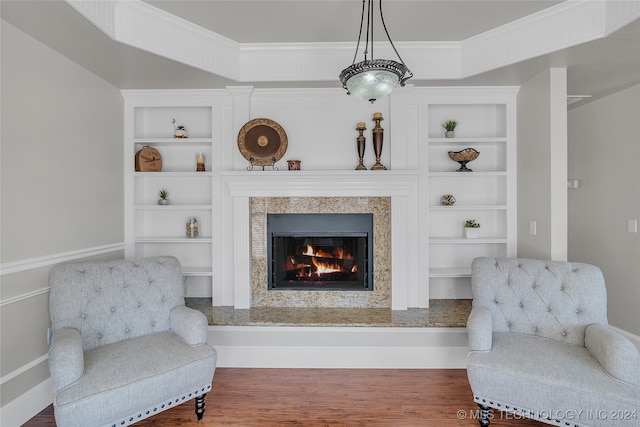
[329,398]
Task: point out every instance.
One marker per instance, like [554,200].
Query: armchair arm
[190,324]
[617,355]
[66,357]
[480,329]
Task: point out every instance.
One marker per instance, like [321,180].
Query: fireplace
[320,252]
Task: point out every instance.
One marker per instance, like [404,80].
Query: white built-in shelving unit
[152,229]
[437,257]
[488,194]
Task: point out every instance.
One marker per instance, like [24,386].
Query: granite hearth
[441,313]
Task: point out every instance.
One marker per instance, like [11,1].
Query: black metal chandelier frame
[398,68]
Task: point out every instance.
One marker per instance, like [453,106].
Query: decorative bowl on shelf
[463,157]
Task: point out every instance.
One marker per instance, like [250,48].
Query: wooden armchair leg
[200,406]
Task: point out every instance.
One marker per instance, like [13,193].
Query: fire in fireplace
[320,251]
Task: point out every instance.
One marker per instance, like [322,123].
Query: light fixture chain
[369,19]
[393,46]
[355,55]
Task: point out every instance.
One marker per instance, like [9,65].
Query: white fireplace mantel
[320,183]
[400,185]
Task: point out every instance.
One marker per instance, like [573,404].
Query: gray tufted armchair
[541,348]
[124,346]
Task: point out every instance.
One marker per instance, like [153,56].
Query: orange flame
[325,267]
[331,263]
[338,253]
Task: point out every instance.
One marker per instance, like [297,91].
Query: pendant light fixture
[373,79]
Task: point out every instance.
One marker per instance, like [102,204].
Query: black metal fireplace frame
[331,224]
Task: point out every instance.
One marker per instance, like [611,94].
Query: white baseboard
[339,347]
[25,407]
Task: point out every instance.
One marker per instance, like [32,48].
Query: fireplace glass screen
[320,251]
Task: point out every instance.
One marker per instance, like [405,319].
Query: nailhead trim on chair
[152,411]
[524,412]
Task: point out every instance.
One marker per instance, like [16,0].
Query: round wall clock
[262,141]
[148,159]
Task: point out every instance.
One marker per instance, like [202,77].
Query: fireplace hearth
[331,252]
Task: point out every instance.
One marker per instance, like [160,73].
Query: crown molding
[567,24]
[564,25]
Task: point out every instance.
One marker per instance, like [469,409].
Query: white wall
[604,149]
[61,189]
[542,166]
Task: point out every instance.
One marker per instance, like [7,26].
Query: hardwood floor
[329,398]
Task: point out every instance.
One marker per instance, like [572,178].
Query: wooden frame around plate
[262,141]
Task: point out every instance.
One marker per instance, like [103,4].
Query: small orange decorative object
[148,159]
[294,165]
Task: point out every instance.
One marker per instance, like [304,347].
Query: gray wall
[604,150]
[542,166]
[61,189]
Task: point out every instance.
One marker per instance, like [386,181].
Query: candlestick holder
[192,227]
[199,162]
[361,144]
[378,135]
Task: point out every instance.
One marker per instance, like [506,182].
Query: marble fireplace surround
[379,297]
[399,186]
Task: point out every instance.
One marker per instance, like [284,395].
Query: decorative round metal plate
[262,141]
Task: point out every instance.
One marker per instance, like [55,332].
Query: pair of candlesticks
[378,134]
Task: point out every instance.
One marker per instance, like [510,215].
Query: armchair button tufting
[548,308]
[562,288]
[99,336]
[113,310]
[125,284]
[564,333]
[83,316]
[521,305]
[162,299]
[126,331]
[139,305]
[153,323]
[535,329]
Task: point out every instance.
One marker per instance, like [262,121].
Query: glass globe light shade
[372,85]
[374,79]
